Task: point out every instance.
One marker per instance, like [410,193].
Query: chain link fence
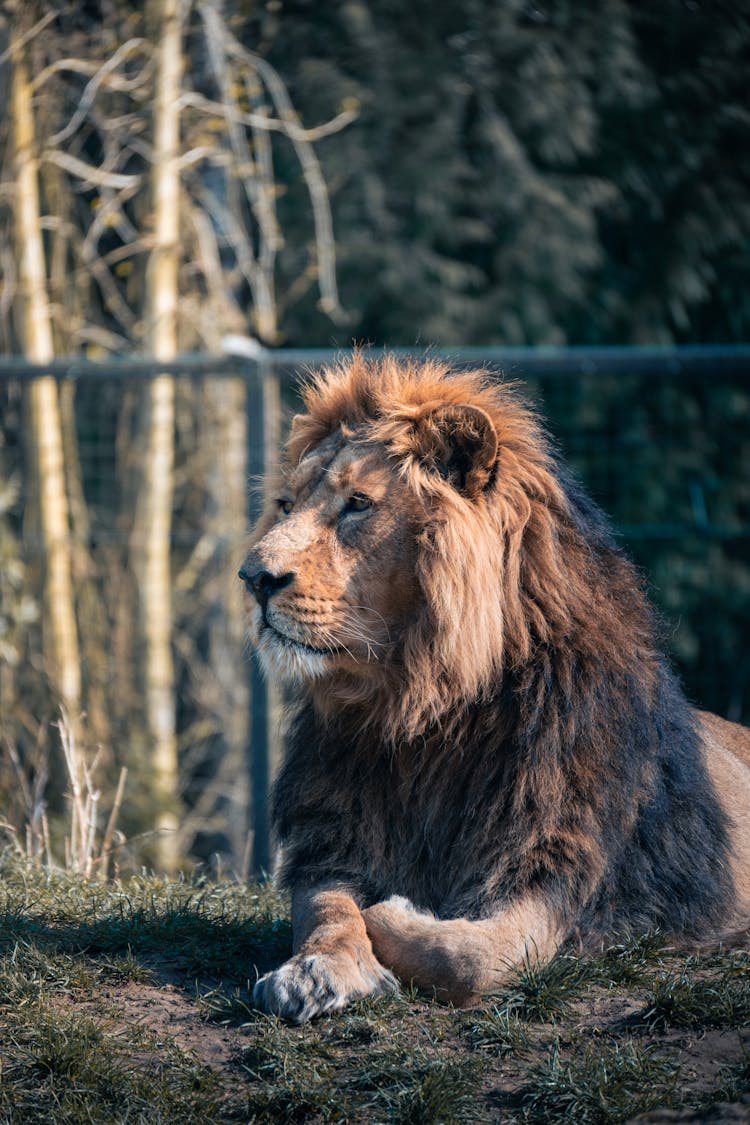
[661,438]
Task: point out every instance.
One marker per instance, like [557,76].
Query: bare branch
[111,824]
[121,135]
[256,190]
[262,296]
[264,155]
[122,253]
[114,82]
[91,176]
[202,152]
[110,213]
[111,294]
[22,40]
[61,226]
[266,123]
[210,258]
[10,278]
[310,169]
[94,334]
[92,87]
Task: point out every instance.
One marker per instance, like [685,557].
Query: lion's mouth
[292,643]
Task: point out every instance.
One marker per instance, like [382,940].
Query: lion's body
[490,753]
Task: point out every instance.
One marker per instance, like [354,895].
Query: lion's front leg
[460,960]
[333,961]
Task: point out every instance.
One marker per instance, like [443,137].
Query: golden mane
[504,571]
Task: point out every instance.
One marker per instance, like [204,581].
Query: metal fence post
[263,432]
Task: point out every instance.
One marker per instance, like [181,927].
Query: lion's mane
[527,569]
[530,732]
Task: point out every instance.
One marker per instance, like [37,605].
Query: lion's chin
[291,661]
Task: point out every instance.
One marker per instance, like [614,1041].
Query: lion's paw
[312,983]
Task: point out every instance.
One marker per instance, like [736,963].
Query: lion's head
[420,542]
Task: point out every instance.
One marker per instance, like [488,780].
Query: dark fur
[578,774]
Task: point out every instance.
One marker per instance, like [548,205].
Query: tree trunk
[44,407]
[226,484]
[154,520]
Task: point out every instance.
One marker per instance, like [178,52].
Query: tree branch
[265,123]
[92,87]
[91,176]
[19,43]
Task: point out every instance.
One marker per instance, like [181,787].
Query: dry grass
[88,846]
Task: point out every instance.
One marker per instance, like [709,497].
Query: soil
[170,1012]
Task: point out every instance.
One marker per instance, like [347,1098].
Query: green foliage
[521,173]
[668,458]
[206,929]
[609,1084]
[497,1031]
[690,1000]
[544,991]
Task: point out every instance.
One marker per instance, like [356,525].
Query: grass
[608,1084]
[544,992]
[699,998]
[131,1001]
[498,1031]
[734,1082]
[207,928]
[64,1067]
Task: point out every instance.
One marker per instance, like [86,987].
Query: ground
[129,1002]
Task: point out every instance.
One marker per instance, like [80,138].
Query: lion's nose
[262,583]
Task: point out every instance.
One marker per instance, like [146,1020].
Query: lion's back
[732,736]
[726,748]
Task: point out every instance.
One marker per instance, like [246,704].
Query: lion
[490,755]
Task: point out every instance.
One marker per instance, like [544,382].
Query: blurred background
[557,190]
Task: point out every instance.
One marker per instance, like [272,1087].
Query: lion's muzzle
[262,584]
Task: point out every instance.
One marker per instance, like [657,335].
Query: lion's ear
[305,433]
[460,443]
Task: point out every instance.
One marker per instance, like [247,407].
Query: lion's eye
[357,503]
[284,505]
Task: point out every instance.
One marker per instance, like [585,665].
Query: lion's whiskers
[355,630]
[334,642]
[369,609]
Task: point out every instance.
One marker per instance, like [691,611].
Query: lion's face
[331,573]
[420,545]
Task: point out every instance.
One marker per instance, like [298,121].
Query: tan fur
[726,749]
[398,622]
[461,961]
[333,961]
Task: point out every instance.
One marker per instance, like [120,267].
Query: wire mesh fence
[661,438]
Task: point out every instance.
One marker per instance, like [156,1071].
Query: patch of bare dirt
[168,1012]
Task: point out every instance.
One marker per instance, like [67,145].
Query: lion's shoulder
[726,753]
[727,735]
